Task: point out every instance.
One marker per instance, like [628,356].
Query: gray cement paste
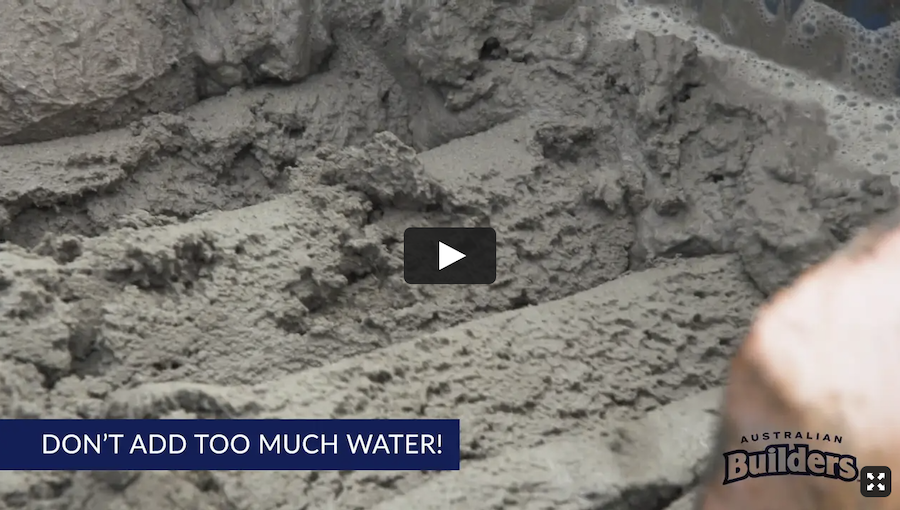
[202,206]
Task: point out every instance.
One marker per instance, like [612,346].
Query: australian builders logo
[789,454]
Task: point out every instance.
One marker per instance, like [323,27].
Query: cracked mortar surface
[197,253]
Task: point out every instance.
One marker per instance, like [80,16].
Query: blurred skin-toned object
[822,363]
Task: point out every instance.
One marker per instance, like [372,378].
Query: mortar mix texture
[173,250]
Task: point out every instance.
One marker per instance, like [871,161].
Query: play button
[450,256]
[447,256]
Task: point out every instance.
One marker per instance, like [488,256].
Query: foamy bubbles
[831,60]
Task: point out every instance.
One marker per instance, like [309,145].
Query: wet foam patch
[868,129]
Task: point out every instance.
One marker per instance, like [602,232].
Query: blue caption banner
[210,445]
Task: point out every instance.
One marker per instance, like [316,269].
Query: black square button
[875,481]
[450,256]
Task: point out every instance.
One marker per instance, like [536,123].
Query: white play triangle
[448,256]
